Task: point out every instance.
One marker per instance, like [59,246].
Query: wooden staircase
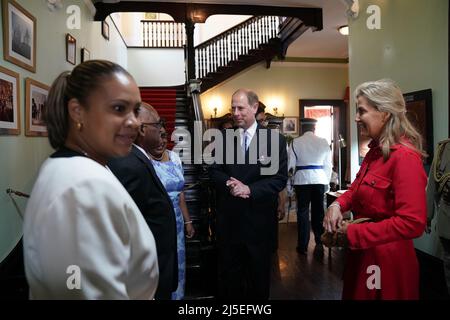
[260,38]
[170,102]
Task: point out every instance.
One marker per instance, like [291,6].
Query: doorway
[331,125]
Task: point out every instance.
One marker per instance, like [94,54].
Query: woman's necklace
[156,158]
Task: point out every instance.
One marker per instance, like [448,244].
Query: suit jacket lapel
[150,167]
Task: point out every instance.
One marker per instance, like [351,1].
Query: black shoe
[301,251]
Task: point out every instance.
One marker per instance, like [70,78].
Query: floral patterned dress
[171,175]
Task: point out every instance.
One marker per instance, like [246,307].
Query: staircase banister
[224,33]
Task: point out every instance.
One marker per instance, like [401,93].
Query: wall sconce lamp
[343,30]
[215,112]
[275,110]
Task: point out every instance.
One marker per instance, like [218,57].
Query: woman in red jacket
[390,190]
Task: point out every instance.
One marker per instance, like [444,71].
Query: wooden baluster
[255,33]
[161,34]
[229,48]
[165,35]
[222,51]
[169,36]
[233,45]
[260,31]
[203,62]
[266,29]
[249,33]
[180,35]
[254,42]
[216,55]
[155,34]
[172,34]
[151,34]
[211,58]
[175,35]
[220,43]
[146,34]
[249,37]
[143,34]
[157,39]
[242,40]
[274,35]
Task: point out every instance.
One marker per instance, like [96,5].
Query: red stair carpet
[164,101]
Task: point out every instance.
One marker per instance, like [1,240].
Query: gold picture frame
[9,102]
[19,35]
[36,94]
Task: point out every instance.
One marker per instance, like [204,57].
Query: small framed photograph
[85,55]
[19,35]
[9,102]
[71,49]
[36,97]
[105,29]
[290,125]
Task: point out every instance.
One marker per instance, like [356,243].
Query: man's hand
[238,189]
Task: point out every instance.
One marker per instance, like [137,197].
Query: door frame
[342,121]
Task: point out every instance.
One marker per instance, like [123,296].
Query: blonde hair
[386,96]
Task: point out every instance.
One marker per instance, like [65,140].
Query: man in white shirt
[310,159]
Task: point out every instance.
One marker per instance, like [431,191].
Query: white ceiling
[327,43]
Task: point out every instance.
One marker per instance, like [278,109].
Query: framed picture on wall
[290,125]
[419,110]
[71,49]
[36,97]
[105,29]
[85,55]
[9,102]
[19,35]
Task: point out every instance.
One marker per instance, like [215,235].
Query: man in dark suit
[247,182]
[138,176]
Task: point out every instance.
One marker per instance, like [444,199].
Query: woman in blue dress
[169,169]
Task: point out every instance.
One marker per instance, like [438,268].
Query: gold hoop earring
[79,126]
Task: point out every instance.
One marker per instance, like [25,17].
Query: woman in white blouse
[84,237]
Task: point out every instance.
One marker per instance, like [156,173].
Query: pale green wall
[288,82]
[412,49]
[20,156]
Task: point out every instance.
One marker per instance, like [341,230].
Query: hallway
[315,276]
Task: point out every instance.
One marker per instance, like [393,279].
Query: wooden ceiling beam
[199,12]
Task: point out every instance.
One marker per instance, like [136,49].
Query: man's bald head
[147,113]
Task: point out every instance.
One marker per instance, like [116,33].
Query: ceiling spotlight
[343,30]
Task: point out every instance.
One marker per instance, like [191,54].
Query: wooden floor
[315,276]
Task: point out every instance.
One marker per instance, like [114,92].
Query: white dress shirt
[250,132]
